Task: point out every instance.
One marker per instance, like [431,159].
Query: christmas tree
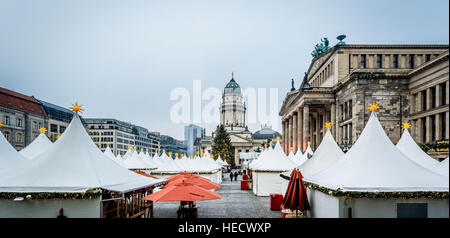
[222,145]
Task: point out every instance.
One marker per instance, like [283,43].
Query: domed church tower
[232,110]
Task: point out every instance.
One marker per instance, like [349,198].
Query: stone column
[290,134]
[317,131]
[447,96]
[438,129]
[305,126]
[284,135]
[300,129]
[429,99]
[294,132]
[428,129]
[412,104]
[438,96]
[419,106]
[419,131]
[333,120]
[413,129]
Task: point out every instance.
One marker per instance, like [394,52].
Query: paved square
[235,203]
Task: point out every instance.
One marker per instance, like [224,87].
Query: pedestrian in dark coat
[235,176]
[231,176]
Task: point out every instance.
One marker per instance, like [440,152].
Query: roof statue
[292,83]
[341,38]
[321,48]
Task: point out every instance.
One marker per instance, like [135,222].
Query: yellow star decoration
[57,137]
[176,154]
[309,142]
[198,152]
[142,149]
[373,107]
[164,151]
[406,125]
[1,124]
[299,146]
[170,153]
[265,145]
[146,149]
[42,130]
[134,148]
[328,125]
[270,143]
[278,138]
[76,108]
[107,143]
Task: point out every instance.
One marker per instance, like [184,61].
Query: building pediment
[238,139]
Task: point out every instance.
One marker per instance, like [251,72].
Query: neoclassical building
[232,116]
[409,82]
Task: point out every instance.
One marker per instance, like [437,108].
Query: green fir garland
[385,195]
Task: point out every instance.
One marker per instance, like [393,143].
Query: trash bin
[275,201]
[244,184]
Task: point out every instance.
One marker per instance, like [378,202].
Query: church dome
[232,86]
[266,133]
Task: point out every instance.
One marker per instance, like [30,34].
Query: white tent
[73,165]
[373,165]
[39,145]
[326,155]
[136,162]
[299,155]
[308,153]
[266,172]
[9,157]
[443,168]
[110,155]
[408,146]
[292,156]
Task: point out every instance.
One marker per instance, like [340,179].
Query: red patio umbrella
[296,198]
[182,192]
[179,175]
[145,174]
[196,180]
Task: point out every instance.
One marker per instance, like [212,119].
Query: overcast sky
[121,59]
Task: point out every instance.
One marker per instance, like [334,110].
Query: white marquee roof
[275,161]
[408,146]
[39,145]
[326,155]
[9,157]
[375,164]
[72,164]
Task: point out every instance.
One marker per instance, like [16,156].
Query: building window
[395,62]
[19,122]
[424,100]
[62,129]
[427,57]
[363,61]
[6,134]
[379,61]
[35,125]
[18,138]
[443,126]
[411,61]
[6,120]
[54,128]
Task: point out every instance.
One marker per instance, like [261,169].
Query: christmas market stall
[266,172]
[74,177]
[375,180]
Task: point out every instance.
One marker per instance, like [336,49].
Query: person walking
[235,176]
[231,176]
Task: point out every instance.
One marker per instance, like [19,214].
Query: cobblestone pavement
[235,203]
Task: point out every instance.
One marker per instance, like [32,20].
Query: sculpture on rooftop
[321,48]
